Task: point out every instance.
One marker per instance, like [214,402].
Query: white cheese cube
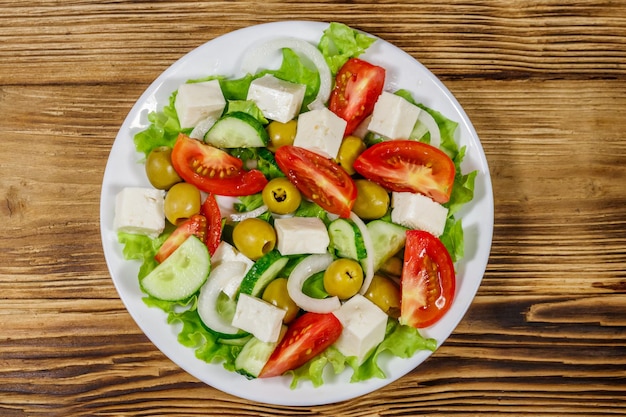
[300,235]
[278,99]
[364,325]
[239,263]
[320,131]
[198,101]
[393,116]
[258,317]
[139,210]
[417,211]
[226,252]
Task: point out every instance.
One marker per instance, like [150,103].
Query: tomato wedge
[212,170]
[408,166]
[306,337]
[195,225]
[211,211]
[320,179]
[428,280]
[357,87]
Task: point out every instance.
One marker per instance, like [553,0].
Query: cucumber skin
[346,239]
[253,357]
[237,130]
[262,273]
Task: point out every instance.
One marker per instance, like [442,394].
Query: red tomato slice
[195,225]
[211,211]
[428,280]
[320,179]
[212,170]
[407,165]
[357,87]
[306,337]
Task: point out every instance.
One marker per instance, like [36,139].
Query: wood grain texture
[544,83]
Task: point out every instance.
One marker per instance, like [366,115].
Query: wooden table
[544,83]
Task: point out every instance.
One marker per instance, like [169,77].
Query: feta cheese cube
[418,212]
[198,101]
[278,99]
[226,252]
[393,117]
[299,235]
[320,131]
[364,325]
[258,317]
[139,210]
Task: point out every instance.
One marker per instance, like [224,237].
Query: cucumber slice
[262,273]
[254,355]
[346,239]
[181,274]
[237,130]
[387,239]
[214,307]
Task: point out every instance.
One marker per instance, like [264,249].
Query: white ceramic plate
[223,56]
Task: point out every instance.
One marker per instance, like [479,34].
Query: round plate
[223,56]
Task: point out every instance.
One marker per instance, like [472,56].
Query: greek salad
[300,218]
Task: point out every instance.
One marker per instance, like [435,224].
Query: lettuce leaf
[401,340]
[247,106]
[163,129]
[340,43]
[294,70]
[142,248]
[205,344]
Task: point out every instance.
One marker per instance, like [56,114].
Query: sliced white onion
[226,204]
[203,126]
[310,265]
[237,217]
[219,278]
[433,128]
[237,271]
[252,62]
[332,216]
[369,249]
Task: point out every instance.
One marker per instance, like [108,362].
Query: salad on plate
[301,220]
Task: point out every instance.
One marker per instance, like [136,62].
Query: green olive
[385,294]
[372,200]
[181,202]
[159,169]
[281,134]
[350,149]
[281,196]
[276,293]
[343,278]
[254,237]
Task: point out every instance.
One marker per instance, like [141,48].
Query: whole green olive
[351,147]
[343,278]
[182,201]
[159,169]
[276,293]
[254,237]
[372,200]
[281,196]
[281,134]
[385,294]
